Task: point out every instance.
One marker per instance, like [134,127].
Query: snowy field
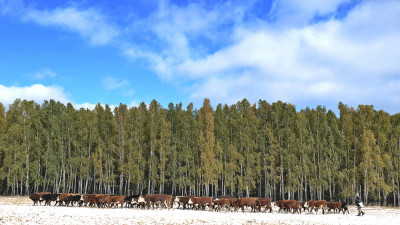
[19,210]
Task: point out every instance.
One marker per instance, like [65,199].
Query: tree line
[244,149]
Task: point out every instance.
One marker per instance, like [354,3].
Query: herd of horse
[222,203]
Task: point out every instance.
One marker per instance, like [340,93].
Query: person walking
[359,205]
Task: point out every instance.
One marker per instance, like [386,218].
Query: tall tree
[2,145]
[210,150]
[242,149]
[153,132]
[121,123]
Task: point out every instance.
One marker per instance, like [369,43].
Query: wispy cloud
[11,7]
[291,13]
[174,33]
[89,23]
[117,84]
[351,59]
[44,74]
[225,53]
[111,83]
[128,92]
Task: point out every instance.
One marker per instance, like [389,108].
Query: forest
[243,149]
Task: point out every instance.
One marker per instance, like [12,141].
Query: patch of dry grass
[15,200]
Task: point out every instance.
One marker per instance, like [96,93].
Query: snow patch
[20,210]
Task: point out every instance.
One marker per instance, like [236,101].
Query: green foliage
[268,150]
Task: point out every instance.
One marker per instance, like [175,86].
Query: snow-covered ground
[19,210]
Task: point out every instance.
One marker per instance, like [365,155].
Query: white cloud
[35,92]
[219,53]
[111,83]
[174,33]
[292,13]
[229,89]
[43,74]
[91,106]
[85,105]
[133,104]
[351,60]
[89,23]
[39,93]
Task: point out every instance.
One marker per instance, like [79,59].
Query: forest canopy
[243,149]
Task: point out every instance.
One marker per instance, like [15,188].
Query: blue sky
[307,53]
